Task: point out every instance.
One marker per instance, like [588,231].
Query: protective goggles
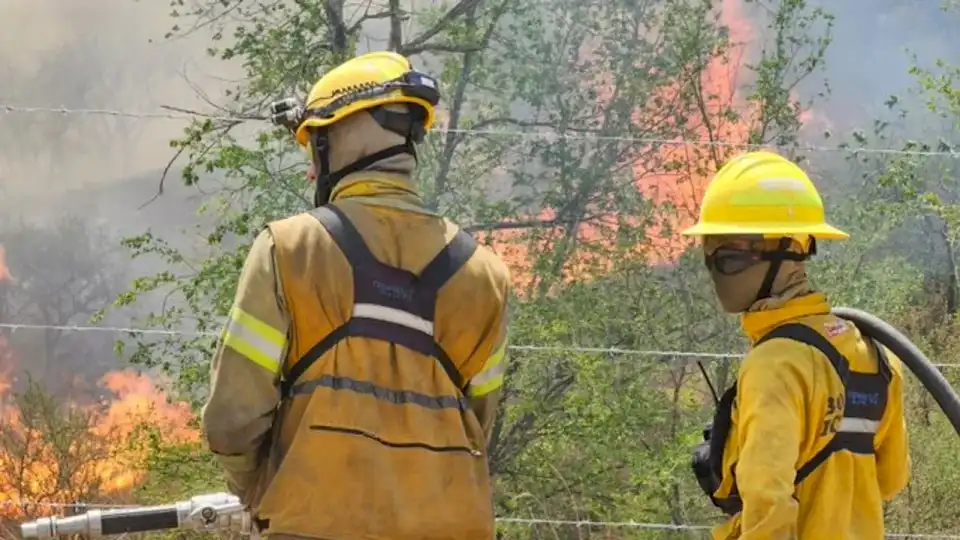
[731,261]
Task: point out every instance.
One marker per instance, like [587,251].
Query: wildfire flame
[63,453]
[4,270]
[84,452]
[674,195]
[5,364]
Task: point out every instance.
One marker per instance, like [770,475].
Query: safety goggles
[731,261]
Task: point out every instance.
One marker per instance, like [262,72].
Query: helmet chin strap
[776,259]
[410,126]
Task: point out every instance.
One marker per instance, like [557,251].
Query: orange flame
[674,192]
[6,365]
[4,270]
[678,194]
[42,461]
[64,453]
[84,452]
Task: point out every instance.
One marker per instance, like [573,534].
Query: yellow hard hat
[365,82]
[763,193]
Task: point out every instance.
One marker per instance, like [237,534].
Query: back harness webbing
[389,304]
[852,420]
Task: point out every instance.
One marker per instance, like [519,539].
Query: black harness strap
[860,410]
[390,304]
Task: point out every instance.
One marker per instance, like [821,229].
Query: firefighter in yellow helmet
[811,440]
[356,382]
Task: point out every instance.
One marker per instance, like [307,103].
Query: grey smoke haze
[870,56]
[99,54]
[91,54]
[111,54]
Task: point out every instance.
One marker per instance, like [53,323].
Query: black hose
[911,356]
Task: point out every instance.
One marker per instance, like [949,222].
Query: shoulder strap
[722,419]
[448,262]
[433,276]
[805,334]
[883,367]
[809,336]
[422,290]
[345,235]
[720,429]
[860,442]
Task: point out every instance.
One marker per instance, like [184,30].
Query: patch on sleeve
[835,328]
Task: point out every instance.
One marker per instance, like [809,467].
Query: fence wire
[530,522]
[533,348]
[174,114]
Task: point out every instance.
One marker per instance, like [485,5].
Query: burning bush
[54,452]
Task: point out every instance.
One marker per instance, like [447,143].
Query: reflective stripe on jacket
[243,398]
[376,439]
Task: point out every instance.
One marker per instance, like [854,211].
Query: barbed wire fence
[579,524]
[173,114]
[179,114]
[13,327]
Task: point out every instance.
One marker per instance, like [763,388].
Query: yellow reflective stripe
[779,192]
[262,329]
[492,375]
[255,339]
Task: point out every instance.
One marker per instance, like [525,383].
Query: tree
[917,190]
[566,145]
[62,275]
[50,454]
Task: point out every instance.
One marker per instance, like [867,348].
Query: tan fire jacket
[375,440]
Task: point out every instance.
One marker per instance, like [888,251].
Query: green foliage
[557,117]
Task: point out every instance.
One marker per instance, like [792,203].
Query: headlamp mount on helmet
[287,112]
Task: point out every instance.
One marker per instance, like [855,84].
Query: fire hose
[912,357]
[208,512]
[224,512]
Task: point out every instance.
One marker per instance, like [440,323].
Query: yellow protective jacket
[787,393]
[374,440]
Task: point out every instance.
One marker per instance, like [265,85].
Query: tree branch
[456,107]
[440,47]
[396,31]
[334,12]
[508,225]
[418,44]
[394,13]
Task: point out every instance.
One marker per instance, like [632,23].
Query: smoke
[95,54]
[90,54]
[112,54]
[874,42]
